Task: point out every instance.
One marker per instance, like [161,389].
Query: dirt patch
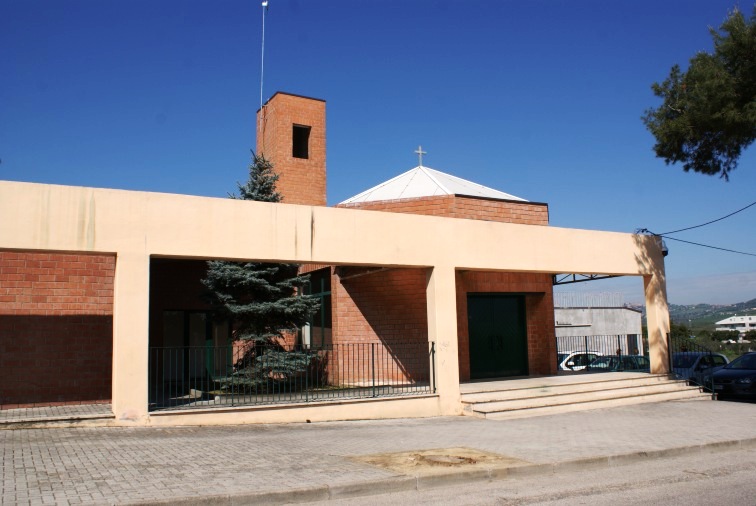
[439,461]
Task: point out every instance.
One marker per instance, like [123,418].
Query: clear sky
[541,99]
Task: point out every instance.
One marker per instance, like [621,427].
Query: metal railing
[248,373]
[614,344]
[693,362]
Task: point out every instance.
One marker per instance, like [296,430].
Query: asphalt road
[724,477]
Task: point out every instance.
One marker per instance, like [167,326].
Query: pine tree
[709,112]
[261,301]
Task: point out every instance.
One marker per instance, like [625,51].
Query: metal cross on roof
[420,153]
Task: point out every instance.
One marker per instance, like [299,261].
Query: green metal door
[498,335]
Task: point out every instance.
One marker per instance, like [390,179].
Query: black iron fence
[254,373]
[693,362]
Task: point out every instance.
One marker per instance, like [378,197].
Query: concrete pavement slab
[309,462]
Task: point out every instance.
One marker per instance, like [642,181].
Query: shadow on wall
[390,307]
[655,270]
[55,359]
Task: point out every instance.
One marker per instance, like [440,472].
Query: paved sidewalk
[308,462]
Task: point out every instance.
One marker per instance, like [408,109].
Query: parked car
[576,360]
[695,366]
[614,363]
[737,379]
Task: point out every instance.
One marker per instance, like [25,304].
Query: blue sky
[540,98]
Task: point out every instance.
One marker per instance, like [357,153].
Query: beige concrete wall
[363,409]
[63,218]
[137,225]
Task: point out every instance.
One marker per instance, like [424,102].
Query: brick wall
[455,206]
[301,181]
[526,213]
[386,307]
[442,205]
[307,268]
[539,308]
[56,328]
[390,307]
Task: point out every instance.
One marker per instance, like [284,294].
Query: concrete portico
[135,226]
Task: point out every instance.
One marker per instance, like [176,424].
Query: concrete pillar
[442,330]
[657,320]
[131,310]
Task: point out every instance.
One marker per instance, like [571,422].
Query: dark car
[737,379]
[614,363]
[696,366]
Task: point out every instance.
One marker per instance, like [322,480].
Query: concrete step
[486,394]
[542,396]
[576,397]
[691,395]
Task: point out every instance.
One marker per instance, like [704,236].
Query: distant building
[740,324]
[597,322]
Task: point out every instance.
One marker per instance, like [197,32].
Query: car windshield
[744,362]
[683,361]
[601,362]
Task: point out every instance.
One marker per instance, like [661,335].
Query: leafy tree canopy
[679,330]
[708,114]
[725,335]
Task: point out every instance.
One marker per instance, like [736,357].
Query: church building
[505,321]
[427,281]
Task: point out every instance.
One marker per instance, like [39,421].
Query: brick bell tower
[291,135]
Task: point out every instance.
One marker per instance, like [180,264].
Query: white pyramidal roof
[426,182]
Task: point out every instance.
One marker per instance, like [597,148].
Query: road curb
[400,483]
[72,422]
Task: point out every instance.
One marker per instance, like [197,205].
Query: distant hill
[705,315]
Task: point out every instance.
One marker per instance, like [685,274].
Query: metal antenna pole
[262,54]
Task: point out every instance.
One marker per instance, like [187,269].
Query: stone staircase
[520,398]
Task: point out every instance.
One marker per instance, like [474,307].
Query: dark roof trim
[500,200]
[600,307]
[291,95]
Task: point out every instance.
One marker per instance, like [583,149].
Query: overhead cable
[710,222]
[706,245]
